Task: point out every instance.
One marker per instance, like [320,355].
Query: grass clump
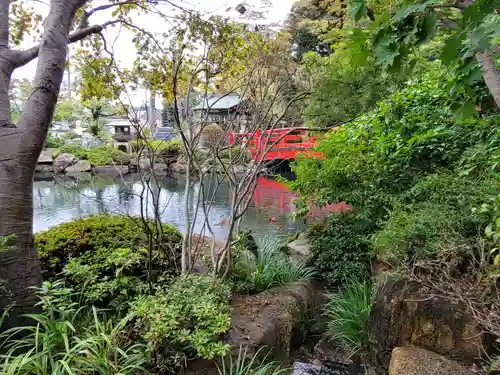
[65,339]
[348,313]
[266,266]
[249,366]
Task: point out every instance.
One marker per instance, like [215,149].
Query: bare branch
[23,57]
[83,22]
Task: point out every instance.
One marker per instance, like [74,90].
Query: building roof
[119,122]
[215,101]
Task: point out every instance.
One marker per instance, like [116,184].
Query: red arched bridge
[283,143]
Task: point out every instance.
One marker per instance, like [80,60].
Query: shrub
[58,245]
[97,156]
[447,188]
[159,147]
[107,156]
[341,248]
[419,232]
[79,151]
[383,153]
[111,277]
[348,313]
[53,142]
[267,267]
[66,340]
[188,316]
[235,155]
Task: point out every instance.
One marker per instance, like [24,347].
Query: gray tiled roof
[215,101]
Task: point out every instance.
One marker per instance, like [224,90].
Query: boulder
[405,314]
[300,248]
[63,161]
[79,166]
[178,167]
[160,167]
[419,361]
[272,319]
[46,156]
[301,368]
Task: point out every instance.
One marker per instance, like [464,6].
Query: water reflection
[58,201]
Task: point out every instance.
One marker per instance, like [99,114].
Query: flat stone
[44,168]
[79,166]
[46,156]
[300,248]
[419,361]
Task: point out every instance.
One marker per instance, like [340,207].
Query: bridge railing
[286,143]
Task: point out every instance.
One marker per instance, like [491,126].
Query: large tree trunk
[19,266]
[20,148]
[491,74]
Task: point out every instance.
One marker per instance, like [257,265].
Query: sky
[120,40]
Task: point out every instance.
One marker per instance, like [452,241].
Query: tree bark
[19,266]
[20,148]
[491,74]
[6,70]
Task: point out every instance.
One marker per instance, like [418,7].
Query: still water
[57,201]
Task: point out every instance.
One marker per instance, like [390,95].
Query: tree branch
[491,74]
[39,108]
[444,6]
[83,22]
[24,57]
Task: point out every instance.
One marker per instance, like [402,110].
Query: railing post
[258,139]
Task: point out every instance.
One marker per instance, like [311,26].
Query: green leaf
[464,111]
[357,9]
[405,11]
[427,28]
[451,47]
[488,231]
[386,54]
[475,13]
[476,74]
[386,48]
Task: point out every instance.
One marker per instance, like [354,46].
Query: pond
[57,201]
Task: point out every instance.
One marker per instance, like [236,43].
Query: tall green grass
[268,267]
[348,313]
[250,366]
[69,341]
